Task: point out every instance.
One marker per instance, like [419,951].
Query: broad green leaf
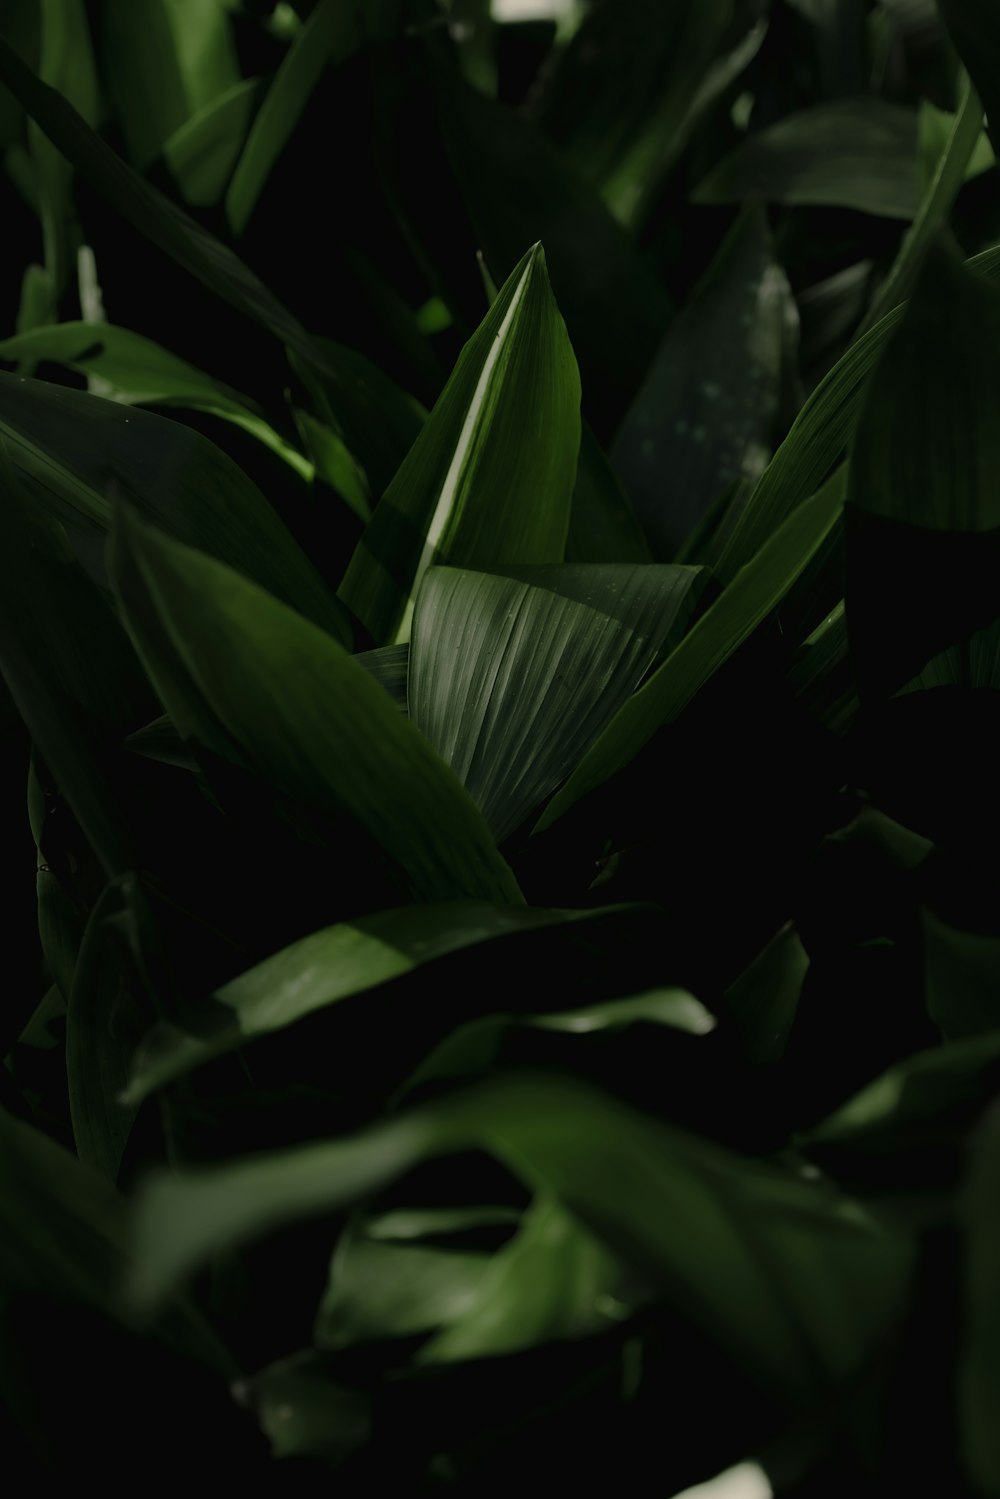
[921,500]
[553,1281]
[330,34]
[962,978]
[974,27]
[855,153]
[136,370]
[475,1047]
[202,153]
[324,968]
[164,60]
[253,680]
[101,1030]
[793,1281]
[952,165]
[603,525]
[489,479]
[513,674]
[979,1370]
[818,437]
[704,416]
[743,605]
[78,453]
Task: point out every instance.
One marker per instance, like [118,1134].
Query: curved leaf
[258,683]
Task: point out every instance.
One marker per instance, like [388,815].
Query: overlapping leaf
[255,682]
[489,480]
[513,674]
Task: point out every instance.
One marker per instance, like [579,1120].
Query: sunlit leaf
[514,674]
[490,478]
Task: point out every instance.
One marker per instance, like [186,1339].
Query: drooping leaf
[755,590]
[78,453]
[854,153]
[252,680]
[136,370]
[329,35]
[513,674]
[474,1047]
[324,968]
[920,486]
[793,1281]
[490,478]
[703,418]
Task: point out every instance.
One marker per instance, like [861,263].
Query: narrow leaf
[489,480]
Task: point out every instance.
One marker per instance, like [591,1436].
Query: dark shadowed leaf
[603,525]
[974,27]
[255,682]
[855,153]
[979,1373]
[79,454]
[703,418]
[757,589]
[921,490]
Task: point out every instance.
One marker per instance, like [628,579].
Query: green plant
[499,625]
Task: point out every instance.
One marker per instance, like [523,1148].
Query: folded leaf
[489,480]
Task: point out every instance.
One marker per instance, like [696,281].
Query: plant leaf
[76,452]
[514,674]
[603,525]
[704,416]
[793,1281]
[742,606]
[979,1369]
[920,485]
[853,153]
[974,27]
[324,968]
[201,155]
[330,34]
[252,679]
[489,479]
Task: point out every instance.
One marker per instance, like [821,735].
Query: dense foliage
[498,579]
